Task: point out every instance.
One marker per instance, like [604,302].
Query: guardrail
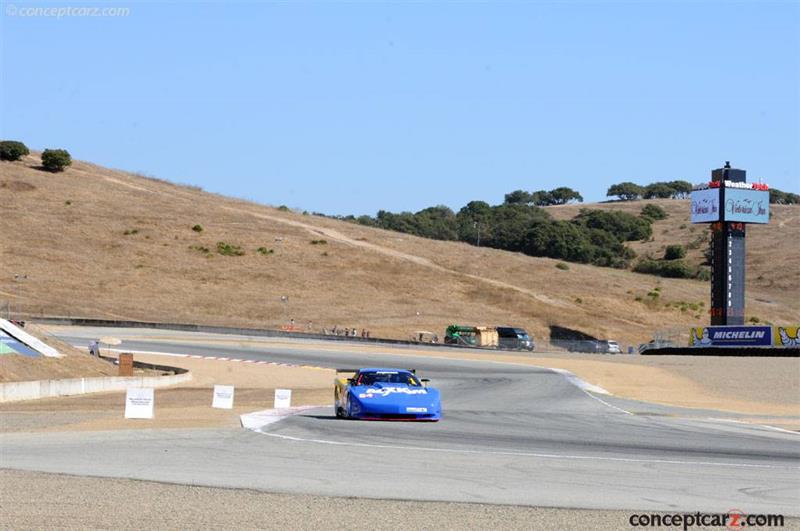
[212,329]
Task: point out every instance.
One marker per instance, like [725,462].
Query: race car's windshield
[370,378]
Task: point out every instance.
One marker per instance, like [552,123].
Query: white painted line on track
[734,421]
[257,420]
[514,454]
[589,389]
[590,395]
[577,382]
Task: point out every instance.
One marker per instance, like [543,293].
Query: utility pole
[17,281]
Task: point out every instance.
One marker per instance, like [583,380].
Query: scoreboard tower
[729,203]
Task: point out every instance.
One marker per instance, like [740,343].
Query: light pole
[18,280]
[285,301]
[477,226]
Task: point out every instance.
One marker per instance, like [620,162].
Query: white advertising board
[223,397]
[283,398]
[139,402]
[705,206]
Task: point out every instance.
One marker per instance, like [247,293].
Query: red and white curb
[216,358]
[258,420]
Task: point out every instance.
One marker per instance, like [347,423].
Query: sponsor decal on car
[416,410]
[386,391]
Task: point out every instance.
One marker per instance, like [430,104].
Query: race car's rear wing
[412,371]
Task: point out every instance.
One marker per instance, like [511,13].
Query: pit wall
[16,391]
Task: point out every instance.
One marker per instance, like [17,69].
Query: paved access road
[511,434]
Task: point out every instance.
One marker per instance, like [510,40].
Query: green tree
[625,227]
[626,191]
[56,160]
[13,150]
[783,198]
[518,196]
[680,189]
[658,191]
[559,239]
[563,195]
[541,198]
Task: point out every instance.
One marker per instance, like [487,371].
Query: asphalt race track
[511,434]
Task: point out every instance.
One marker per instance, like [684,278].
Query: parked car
[607,346]
[603,346]
[514,339]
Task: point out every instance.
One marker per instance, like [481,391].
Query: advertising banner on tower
[705,205]
[786,336]
[748,206]
[731,336]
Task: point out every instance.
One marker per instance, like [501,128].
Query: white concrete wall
[16,391]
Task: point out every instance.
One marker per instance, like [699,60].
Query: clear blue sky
[350,107]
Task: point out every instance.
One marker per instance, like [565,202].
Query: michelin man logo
[787,340]
[386,391]
[705,340]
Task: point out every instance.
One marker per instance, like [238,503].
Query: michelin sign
[744,336]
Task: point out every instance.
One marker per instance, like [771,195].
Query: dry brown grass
[80,262]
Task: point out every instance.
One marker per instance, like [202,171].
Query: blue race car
[385,394]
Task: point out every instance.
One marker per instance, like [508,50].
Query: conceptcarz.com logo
[733,519]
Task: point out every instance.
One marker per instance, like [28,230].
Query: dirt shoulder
[126,504]
[185,406]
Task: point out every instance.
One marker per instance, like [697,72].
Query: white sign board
[705,206]
[139,403]
[283,398]
[223,397]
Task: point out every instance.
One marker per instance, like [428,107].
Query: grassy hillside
[104,243]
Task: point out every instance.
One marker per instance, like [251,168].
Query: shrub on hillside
[197,228]
[13,150]
[626,227]
[783,198]
[674,252]
[653,212]
[56,160]
[669,269]
[226,249]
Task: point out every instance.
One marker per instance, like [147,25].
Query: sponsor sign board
[705,205]
[223,397]
[139,403]
[283,398]
[731,336]
[749,206]
[786,336]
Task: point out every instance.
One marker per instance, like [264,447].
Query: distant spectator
[94,348]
